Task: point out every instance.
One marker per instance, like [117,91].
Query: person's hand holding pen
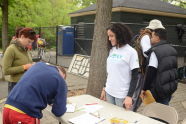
[27,66]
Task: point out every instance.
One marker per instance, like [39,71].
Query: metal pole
[57,29]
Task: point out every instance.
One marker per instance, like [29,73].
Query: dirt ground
[76,92]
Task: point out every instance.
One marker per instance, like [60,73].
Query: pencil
[91,104]
[101,121]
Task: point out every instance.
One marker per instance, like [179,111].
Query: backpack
[142,62]
[136,96]
[136,45]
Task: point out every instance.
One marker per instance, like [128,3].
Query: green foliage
[84,3]
[41,13]
[180,3]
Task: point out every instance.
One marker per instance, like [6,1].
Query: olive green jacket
[14,58]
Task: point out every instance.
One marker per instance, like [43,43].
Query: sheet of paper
[86,119]
[71,107]
[92,108]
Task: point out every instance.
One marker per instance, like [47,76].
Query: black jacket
[165,83]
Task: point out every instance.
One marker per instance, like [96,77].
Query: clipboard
[148,98]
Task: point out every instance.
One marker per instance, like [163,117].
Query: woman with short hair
[16,59]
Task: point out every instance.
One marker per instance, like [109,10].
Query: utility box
[65,40]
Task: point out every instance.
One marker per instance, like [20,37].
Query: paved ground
[178,101]
[3,89]
[75,82]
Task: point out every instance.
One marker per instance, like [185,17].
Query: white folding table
[108,111]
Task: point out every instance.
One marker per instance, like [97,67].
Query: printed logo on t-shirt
[116,56]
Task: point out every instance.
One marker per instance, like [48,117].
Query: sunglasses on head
[32,32]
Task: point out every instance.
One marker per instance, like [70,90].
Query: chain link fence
[84,36]
[47,53]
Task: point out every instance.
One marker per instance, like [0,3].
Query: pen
[95,115]
[91,104]
[100,121]
[79,109]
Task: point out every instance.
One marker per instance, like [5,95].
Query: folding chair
[161,112]
[184,121]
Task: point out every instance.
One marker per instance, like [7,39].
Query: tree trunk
[4,24]
[99,52]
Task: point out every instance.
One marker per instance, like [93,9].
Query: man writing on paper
[42,84]
[161,73]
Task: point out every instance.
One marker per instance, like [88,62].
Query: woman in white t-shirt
[122,67]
